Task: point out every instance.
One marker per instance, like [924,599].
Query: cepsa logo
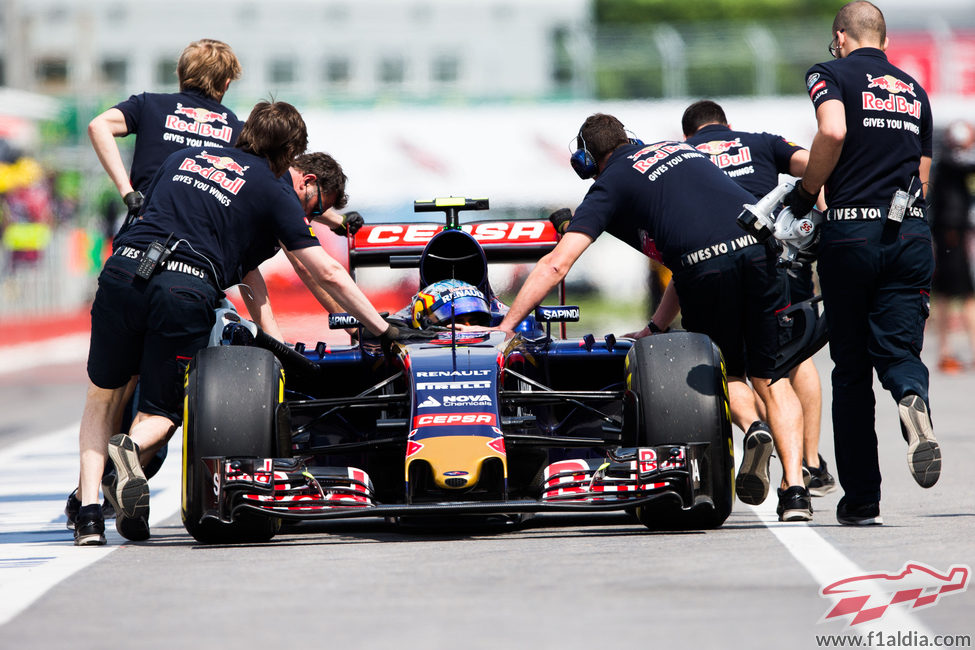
[489,232]
[453,419]
[200,124]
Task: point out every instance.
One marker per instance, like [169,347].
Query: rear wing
[399,245]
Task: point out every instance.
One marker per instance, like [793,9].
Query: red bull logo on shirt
[718,151]
[200,123]
[223,162]
[213,174]
[895,101]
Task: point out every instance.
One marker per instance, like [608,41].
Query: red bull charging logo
[716,147]
[223,162]
[891,84]
[200,123]
[896,102]
[868,597]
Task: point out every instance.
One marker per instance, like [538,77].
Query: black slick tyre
[681,390]
[230,409]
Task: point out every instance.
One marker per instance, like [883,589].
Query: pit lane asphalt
[556,582]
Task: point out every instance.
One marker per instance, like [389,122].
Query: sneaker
[752,482]
[867,514]
[806,475]
[127,489]
[73,505]
[950,365]
[923,452]
[89,527]
[794,504]
[821,482]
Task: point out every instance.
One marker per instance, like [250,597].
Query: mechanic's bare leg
[103,408]
[742,403]
[805,382]
[150,432]
[785,419]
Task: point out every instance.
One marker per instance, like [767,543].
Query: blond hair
[207,65]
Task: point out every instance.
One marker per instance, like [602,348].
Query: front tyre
[682,393]
[230,409]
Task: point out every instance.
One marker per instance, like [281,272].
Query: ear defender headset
[584,164]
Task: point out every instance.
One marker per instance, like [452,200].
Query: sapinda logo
[868,597]
[453,419]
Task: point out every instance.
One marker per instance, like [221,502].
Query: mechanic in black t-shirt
[209,210]
[873,140]
[952,289]
[167,122]
[653,197]
[164,124]
[754,161]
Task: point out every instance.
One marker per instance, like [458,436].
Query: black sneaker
[821,482]
[794,504]
[867,514]
[923,452]
[127,489]
[752,482]
[89,527]
[73,505]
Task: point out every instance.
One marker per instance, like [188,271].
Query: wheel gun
[765,219]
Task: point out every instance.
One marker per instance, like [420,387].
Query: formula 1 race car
[460,425]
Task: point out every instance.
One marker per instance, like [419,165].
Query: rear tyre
[682,393]
[232,398]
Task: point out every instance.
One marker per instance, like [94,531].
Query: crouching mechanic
[204,215]
[728,283]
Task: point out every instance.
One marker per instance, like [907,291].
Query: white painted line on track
[36,550]
[826,564]
[63,349]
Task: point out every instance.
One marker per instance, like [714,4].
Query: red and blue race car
[458,425]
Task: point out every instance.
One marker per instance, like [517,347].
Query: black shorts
[734,299]
[801,284]
[151,329]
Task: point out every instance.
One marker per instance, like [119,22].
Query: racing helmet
[450,301]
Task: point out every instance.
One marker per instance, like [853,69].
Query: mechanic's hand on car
[351,222]
[560,219]
[799,200]
[133,202]
[649,330]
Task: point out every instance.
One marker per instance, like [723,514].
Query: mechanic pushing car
[872,152]
[164,123]
[754,161]
[157,294]
[648,196]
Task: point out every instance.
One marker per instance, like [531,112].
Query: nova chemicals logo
[868,597]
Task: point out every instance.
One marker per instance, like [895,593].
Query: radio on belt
[898,206]
[155,255]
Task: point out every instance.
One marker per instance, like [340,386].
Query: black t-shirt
[225,205]
[753,160]
[164,123]
[888,127]
[666,194]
